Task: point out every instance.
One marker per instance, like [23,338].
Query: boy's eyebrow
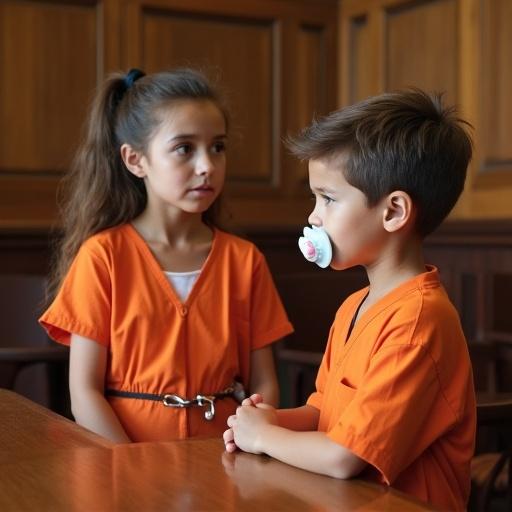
[182,136]
[323,190]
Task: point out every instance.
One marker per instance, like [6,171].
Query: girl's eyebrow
[182,136]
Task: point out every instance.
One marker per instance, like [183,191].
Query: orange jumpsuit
[399,391]
[116,294]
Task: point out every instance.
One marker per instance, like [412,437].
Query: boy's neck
[394,267]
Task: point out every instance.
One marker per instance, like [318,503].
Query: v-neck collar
[159,274]
[428,279]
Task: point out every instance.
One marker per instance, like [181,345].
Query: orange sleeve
[269,321]
[397,412]
[83,303]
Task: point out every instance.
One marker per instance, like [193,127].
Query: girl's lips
[203,189]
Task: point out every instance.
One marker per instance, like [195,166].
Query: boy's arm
[263,379]
[87,367]
[303,418]
[257,430]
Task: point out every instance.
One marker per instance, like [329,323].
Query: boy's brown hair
[405,140]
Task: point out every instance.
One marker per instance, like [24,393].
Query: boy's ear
[132,160]
[398,211]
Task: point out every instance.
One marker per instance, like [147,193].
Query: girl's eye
[219,147]
[327,199]
[183,149]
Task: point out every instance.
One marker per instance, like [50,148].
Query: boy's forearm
[312,451]
[303,418]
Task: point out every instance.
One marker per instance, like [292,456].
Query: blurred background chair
[491,469]
[30,363]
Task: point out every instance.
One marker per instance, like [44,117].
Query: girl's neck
[174,231]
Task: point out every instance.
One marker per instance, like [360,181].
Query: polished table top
[49,463]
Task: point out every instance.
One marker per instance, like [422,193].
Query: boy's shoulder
[421,303]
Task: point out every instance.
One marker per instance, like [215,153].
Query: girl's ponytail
[98,192]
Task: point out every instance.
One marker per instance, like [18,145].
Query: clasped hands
[247,427]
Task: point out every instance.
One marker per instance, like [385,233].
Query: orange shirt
[399,392]
[116,294]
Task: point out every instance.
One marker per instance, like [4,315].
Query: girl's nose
[204,164]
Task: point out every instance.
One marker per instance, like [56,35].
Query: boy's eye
[183,149]
[327,199]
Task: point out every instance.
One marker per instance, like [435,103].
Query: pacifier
[316,246]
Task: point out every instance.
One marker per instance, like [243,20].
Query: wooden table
[49,463]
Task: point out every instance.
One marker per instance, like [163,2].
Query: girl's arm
[87,366]
[263,380]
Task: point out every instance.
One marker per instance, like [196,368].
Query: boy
[394,400]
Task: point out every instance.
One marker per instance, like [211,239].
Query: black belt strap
[235,390]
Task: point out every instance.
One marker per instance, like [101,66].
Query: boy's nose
[314,220]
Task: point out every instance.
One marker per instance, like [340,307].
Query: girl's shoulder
[108,239]
[231,242]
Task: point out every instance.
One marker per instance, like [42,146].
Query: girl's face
[185,164]
[356,231]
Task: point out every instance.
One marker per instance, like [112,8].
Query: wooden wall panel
[496,135]
[463,47]
[51,54]
[44,84]
[275,58]
[312,81]
[238,52]
[360,77]
[312,90]
[421,46]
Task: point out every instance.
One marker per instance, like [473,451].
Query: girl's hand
[247,427]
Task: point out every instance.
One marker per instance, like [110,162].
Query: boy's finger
[230,447]
[228,436]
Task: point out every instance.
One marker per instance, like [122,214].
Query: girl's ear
[399,211]
[133,160]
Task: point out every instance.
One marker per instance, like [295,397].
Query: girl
[162,310]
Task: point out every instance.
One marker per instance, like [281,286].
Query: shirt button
[183,310]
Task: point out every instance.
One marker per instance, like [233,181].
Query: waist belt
[235,390]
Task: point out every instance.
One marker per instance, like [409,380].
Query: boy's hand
[254,399]
[228,436]
[247,427]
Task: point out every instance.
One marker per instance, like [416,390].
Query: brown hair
[404,141]
[99,192]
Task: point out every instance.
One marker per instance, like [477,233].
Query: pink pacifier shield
[316,246]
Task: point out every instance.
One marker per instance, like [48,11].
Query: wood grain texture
[48,463]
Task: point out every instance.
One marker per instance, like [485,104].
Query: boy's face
[356,231]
